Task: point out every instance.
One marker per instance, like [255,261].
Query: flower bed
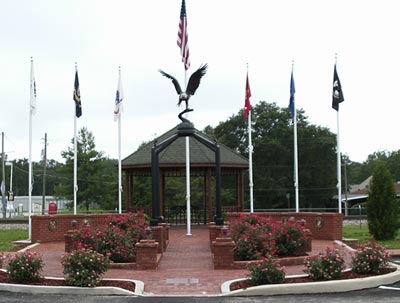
[257,237]
[116,239]
[246,283]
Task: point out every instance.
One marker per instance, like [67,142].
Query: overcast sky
[140,36]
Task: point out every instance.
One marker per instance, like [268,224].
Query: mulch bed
[346,275]
[4,278]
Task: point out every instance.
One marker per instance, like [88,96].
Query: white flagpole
[75,156]
[296,166]
[339,159]
[339,167]
[247,95]
[188,216]
[119,150]
[31,111]
[250,164]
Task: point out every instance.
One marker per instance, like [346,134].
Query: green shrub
[382,207]
[266,271]
[370,258]
[288,238]
[327,266]
[117,238]
[84,267]
[25,267]
[257,237]
[252,236]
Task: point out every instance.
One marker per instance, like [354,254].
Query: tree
[273,155]
[97,175]
[381,205]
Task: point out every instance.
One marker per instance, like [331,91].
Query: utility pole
[44,173]
[3,183]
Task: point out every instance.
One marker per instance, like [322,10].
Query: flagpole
[250,164]
[250,155]
[296,166]
[339,160]
[339,167]
[119,154]
[31,109]
[75,156]
[187,144]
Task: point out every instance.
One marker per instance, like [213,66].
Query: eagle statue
[193,84]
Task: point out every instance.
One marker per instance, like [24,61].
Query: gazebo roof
[175,154]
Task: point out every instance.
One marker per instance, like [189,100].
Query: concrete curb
[73,290]
[313,287]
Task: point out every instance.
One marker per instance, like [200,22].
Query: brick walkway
[185,269]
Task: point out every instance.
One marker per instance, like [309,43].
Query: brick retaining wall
[51,228]
[323,226]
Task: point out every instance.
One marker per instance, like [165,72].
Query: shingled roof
[175,153]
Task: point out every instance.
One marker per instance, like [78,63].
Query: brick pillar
[146,256]
[223,253]
[158,236]
[68,240]
[215,231]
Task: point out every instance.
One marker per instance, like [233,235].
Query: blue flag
[77,97]
[292,92]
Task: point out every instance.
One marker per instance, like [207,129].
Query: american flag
[183,37]
[247,104]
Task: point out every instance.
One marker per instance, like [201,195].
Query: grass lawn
[9,235]
[362,234]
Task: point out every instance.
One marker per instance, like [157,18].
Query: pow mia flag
[337,95]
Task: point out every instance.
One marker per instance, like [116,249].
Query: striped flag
[77,96]
[183,37]
[33,91]
[292,106]
[118,98]
[247,105]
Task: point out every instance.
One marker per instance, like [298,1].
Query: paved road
[364,296]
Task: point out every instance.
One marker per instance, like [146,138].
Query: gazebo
[172,163]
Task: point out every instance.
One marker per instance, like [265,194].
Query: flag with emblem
[118,98]
[337,95]
[77,96]
[247,104]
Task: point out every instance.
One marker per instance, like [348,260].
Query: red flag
[183,37]
[247,105]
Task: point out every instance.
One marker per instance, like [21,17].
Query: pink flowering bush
[25,267]
[288,238]
[253,237]
[370,258]
[257,237]
[117,238]
[328,266]
[2,258]
[266,271]
[84,267]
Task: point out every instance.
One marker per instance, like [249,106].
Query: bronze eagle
[193,84]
